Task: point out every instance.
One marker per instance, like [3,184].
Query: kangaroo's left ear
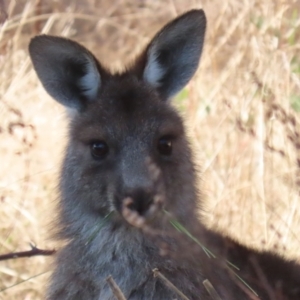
[67,70]
[173,56]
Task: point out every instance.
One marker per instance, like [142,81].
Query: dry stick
[33,252]
[38,12]
[211,290]
[3,13]
[115,288]
[169,284]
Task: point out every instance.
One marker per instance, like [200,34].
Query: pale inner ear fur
[90,82]
[153,72]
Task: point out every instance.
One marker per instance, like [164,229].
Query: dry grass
[241,108]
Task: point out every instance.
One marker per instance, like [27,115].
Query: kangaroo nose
[139,183]
[141,200]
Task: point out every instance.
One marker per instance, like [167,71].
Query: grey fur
[130,113]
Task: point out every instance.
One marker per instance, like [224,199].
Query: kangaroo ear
[173,55]
[67,70]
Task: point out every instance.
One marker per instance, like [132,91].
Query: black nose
[141,200]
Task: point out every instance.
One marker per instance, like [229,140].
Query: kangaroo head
[125,138]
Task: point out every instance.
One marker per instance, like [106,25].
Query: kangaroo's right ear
[67,70]
[172,57]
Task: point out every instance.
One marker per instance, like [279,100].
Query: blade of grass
[179,227]
[98,228]
[11,286]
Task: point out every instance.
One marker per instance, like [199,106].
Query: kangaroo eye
[99,149]
[164,146]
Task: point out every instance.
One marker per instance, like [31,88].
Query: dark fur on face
[142,119]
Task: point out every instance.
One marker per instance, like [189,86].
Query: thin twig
[169,284]
[115,288]
[262,278]
[211,290]
[33,252]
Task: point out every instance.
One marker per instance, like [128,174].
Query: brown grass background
[242,111]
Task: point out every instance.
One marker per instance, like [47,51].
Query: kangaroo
[128,165]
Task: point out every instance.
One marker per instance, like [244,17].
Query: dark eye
[99,149]
[164,145]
